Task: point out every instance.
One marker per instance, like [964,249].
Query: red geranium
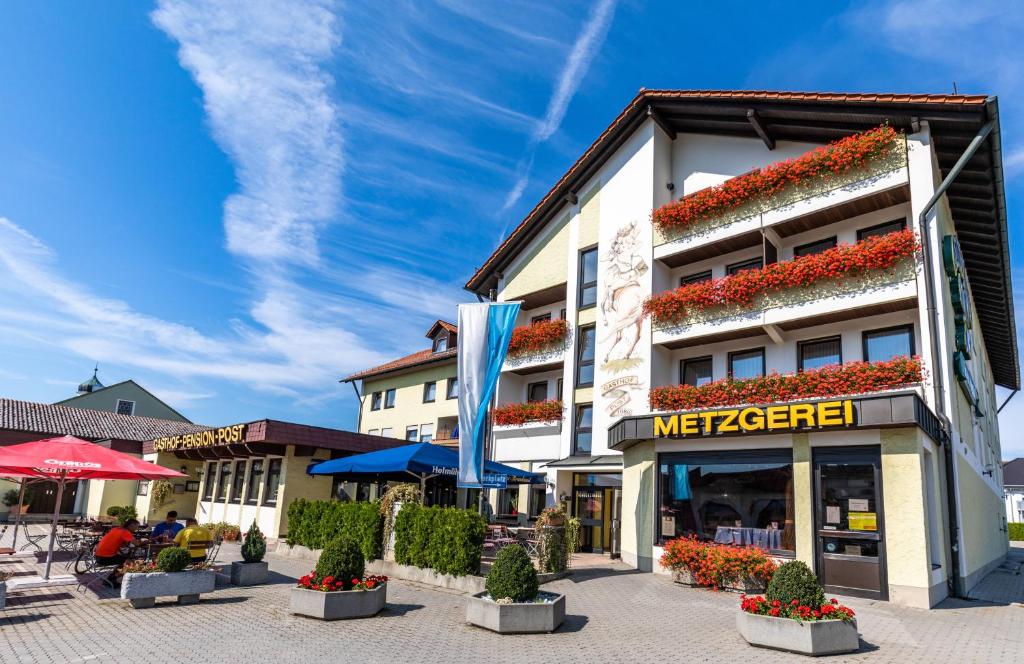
[833,610]
[874,253]
[842,156]
[538,337]
[850,378]
[716,565]
[312,581]
[517,414]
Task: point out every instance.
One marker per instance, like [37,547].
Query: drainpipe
[938,363]
[359,397]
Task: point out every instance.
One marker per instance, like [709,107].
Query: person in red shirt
[115,547]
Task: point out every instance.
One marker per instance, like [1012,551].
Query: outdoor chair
[214,550]
[197,546]
[33,539]
[94,572]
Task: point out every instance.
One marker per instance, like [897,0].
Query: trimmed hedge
[1017,532]
[315,523]
[795,581]
[445,539]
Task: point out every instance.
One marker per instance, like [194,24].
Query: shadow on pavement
[392,609]
[22,600]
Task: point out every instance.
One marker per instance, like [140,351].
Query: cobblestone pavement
[615,615]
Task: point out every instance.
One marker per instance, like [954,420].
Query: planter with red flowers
[835,165]
[717,566]
[337,589]
[520,414]
[538,343]
[795,616]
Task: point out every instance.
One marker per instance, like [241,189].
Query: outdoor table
[764,538]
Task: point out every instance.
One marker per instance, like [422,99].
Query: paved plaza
[615,615]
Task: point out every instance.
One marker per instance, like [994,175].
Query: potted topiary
[337,588]
[251,570]
[173,573]
[796,616]
[512,603]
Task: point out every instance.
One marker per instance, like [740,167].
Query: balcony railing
[813,173]
[518,414]
[842,269]
[538,338]
[832,381]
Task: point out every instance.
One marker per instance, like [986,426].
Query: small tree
[512,576]
[254,546]
[795,581]
[11,498]
[173,559]
[342,559]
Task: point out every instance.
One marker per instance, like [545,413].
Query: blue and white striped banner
[484,333]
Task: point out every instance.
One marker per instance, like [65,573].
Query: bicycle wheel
[84,562]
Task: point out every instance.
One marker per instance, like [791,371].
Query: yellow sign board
[200,439]
[753,419]
[862,521]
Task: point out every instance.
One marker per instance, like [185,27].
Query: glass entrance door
[588,506]
[850,542]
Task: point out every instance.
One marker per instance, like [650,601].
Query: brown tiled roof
[444,325]
[418,358]
[48,420]
[646,96]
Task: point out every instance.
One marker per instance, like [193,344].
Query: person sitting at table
[193,532]
[166,530]
[115,547]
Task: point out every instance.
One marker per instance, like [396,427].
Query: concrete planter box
[339,605]
[515,618]
[748,585]
[143,589]
[825,637]
[248,574]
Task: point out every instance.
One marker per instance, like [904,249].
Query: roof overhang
[976,199]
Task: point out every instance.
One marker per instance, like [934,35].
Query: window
[373,432]
[412,433]
[561,314]
[540,318]
[375,401]
[537,391]
[695,278]
[701,492]
[695,371]
[389,398]
[429,392]
[585,357]
[237,482]
[588,278]
[819,353]
[273,482]
[252,491]
[743,266]
[508,502]
[584,427]
[746,364]
[816,247]
[538,500]
[426,433]
[125,407]
[452,391]
[558,389]
[387,432]
[440,343]
[211,480]
[882,345]
[223,481]
[881,229]
[143,488]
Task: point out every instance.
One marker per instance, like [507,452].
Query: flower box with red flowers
[825,630]
[717,566]
[518,414]
[833,163]
[539,337]
[329,598]
[742,290]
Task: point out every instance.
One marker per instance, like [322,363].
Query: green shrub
[10,498]
[122,513]
[795,580]
[114,511]
[512,575]
[445,539]
[254,546]
[1017,532]
[173,559]
[343,559]
[314,523]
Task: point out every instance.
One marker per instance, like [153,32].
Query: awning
[608,460]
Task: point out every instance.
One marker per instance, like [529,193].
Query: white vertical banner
[485,330]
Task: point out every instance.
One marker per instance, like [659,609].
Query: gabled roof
[442,325]
[1013,472]
[125,382]
[47,420]
[418,359]
[976,199]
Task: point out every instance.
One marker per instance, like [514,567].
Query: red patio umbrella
[69,459]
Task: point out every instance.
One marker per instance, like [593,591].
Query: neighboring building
[25,421]
[868,484]
[1013,490]
[413,398]
[252,471]
[124,398]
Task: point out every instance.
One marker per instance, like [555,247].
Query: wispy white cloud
[1014,162]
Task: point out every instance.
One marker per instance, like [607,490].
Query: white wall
[700,161]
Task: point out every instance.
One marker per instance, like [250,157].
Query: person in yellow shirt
[193,532]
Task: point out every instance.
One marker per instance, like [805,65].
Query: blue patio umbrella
[423,461]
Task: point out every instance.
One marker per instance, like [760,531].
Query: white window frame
[117,408]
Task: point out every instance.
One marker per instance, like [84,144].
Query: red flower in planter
[842,156]
[517,414]
[874,253]
[538,337]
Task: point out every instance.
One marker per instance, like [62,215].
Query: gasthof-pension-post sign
[210,438]
[753,419]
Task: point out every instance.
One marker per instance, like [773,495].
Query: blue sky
[237,205]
